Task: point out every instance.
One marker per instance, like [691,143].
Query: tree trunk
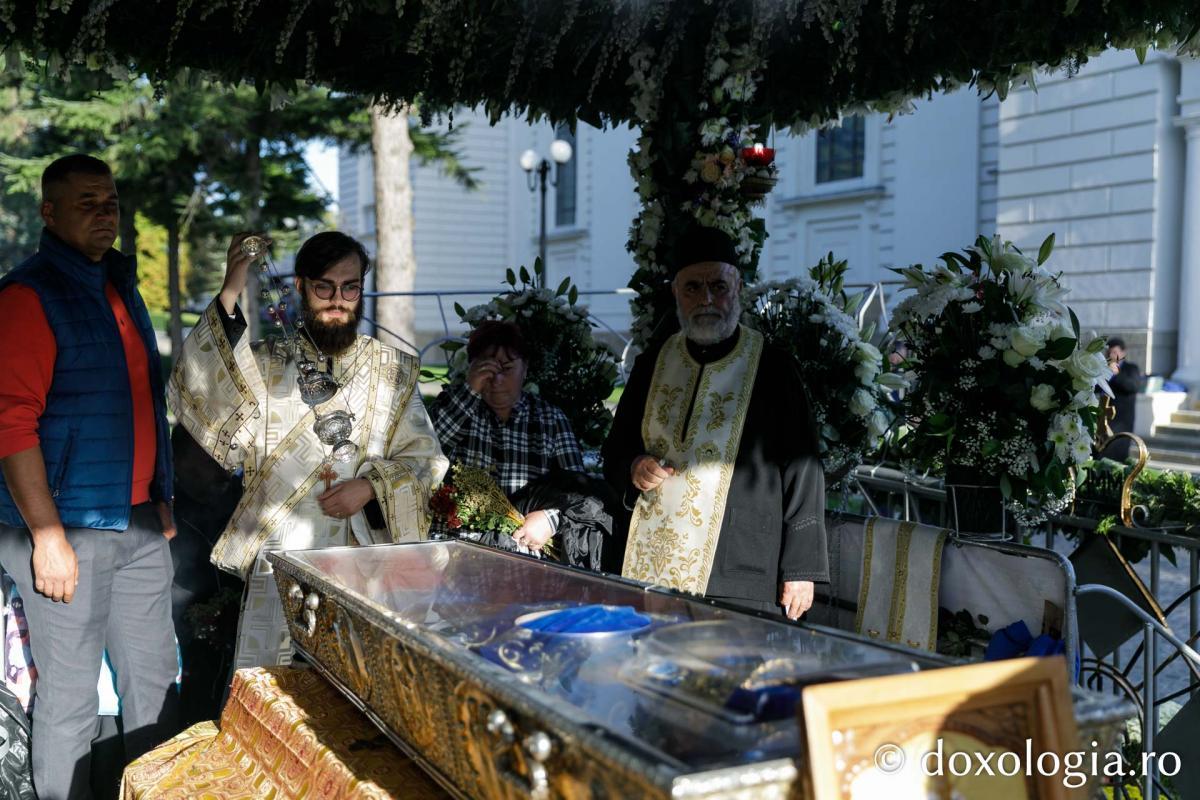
[129,229]
[254,221]
[173,289]
[395,260]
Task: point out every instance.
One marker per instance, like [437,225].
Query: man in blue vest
[85,513]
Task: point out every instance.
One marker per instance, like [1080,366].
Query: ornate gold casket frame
[438,644]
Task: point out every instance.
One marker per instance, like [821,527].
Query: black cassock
[774,524]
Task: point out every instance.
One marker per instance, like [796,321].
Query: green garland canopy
[570,59]
[703,79]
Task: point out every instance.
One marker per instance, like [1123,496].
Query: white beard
[708,326]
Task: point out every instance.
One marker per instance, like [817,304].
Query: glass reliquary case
[507,677]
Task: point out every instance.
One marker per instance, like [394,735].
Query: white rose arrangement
[693,173]
[848,384]
[1006,385]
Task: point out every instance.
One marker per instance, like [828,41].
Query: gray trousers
[122,604]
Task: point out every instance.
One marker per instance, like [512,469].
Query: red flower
[443,503]
[454,522]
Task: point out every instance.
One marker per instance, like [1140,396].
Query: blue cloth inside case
[589,619]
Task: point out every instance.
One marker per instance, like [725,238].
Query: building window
[564,190]
[840,151]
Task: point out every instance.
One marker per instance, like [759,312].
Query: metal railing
[910,489]
[875,297]
[440,297]
[913,489]
[886,490]
[875,300]
[1157,538]
[1144,696]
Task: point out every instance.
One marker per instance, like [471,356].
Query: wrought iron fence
[888,491]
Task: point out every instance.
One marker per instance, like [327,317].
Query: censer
[316,387]
[333,429]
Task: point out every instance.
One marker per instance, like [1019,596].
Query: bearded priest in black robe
[715,453]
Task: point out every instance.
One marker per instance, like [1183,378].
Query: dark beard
[331,338]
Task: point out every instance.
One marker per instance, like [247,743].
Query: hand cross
[327,474]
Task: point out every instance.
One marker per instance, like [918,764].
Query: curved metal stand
[1143,456]
[1148,703]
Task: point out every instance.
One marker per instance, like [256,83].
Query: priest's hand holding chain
[648,473]
[237,268]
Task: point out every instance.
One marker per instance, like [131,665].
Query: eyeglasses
[326,290]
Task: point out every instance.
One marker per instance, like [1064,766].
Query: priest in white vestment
[240,401]
[714,450]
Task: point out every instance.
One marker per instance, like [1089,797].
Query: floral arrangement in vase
[1006,386]
[849,387]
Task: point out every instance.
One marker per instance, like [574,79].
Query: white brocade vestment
[241,403]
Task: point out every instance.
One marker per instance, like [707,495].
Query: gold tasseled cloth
[285,734]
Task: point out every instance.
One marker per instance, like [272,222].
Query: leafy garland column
[689,167]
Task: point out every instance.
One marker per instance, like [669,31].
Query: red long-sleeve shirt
[27,354]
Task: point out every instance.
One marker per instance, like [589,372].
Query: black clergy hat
[700,243]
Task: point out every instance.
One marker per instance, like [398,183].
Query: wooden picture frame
[857,731]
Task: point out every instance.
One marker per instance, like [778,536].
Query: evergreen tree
[199,160]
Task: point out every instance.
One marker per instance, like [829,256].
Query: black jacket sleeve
[1127,381]
[589,527]
[624,442]
[805,555]
[198,475]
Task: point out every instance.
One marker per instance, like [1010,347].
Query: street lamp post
[537,171]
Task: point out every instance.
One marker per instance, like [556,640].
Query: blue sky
[322,161]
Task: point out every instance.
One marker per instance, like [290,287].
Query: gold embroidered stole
[276,485]
[901,573]
[675,528]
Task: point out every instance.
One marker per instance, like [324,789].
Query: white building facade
[1108,160]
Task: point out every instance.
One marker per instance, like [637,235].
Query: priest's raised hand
[237,268]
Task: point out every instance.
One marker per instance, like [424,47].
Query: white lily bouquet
[812,317]
[1006,386]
